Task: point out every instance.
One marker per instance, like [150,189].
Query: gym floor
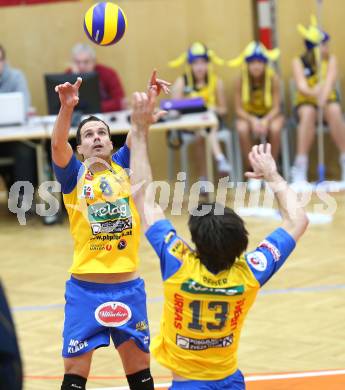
[295,328]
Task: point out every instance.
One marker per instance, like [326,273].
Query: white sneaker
[298,174]
[254,185]
[224,166]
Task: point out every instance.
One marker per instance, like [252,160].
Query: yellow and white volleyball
[105,23]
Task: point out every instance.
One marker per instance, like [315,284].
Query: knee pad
[73,382]
[141,380]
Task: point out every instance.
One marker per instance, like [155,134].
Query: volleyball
[105,23]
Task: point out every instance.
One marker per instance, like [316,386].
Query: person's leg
[243,129]
[77,370]
[7,170]
[11,372]
[275,129]
[335,121]
[82,333]
[25,163]
[132,340]
[223,164]
[200,152]
[136,364]
[305,138]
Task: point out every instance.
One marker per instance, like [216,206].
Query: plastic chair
[224,136]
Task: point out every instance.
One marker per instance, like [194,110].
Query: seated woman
[257,102]
[199,80]
[313,93]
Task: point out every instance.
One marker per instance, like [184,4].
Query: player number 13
[221,311]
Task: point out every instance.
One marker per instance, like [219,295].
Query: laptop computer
[12,109]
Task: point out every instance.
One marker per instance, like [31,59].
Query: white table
[41,128]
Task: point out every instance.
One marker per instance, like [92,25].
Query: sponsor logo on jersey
[257,260]
[202,344]
[237,313]
[179,249]
[116,226]
[193,287]
[122,245]
[101,212]
[75,346]
[111,237]
[101,247]
[87,192]
[141,326]
[113,314]
[178,309]
[272,248]
[89,176]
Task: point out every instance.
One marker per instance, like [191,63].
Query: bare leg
[275,128]
[243,129]
[335,121]
[200,155]
[306,129]
[133,358]
[79,365]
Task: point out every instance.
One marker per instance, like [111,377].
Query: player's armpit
[162,236]
[68,175]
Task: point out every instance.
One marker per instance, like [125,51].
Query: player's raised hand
[144,110]
[69,93]
[262,162]
[158,83]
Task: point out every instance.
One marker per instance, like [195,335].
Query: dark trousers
[11,375]
[24,168]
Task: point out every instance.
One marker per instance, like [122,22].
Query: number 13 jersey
[204,313]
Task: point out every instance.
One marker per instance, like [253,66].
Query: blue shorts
[96,311]
[232,382]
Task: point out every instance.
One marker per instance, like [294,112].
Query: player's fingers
[136,98]
[152,94]
[77,84]
[261,148]
[255,151]
[163,82]
[159,115]
[166,89]
[144,98]
[67,84]
[252,175]
[153,80]
[268,148]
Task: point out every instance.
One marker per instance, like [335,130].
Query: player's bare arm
[143,117]
[295,220]
[61,149]
[160,85]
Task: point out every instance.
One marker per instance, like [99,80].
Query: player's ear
[80,150]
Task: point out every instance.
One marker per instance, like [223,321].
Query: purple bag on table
[184,106]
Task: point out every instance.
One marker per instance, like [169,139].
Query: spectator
[313,93]
[257,102]
[199,80]
[24,167]
[110,86]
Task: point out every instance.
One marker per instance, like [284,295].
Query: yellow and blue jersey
[104,222]
[208,92]
[203,313]
[312,76]
[256,104]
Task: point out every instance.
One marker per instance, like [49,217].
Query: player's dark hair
[3,52]
[219,236]
[91,118]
